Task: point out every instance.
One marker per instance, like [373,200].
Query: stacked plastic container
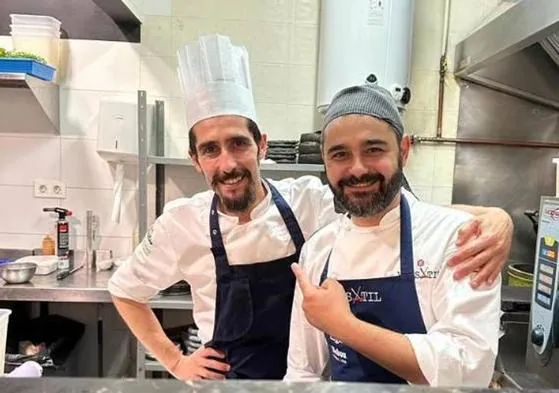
[37,34]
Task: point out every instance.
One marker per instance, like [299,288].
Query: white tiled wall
[281,37]
[92,70]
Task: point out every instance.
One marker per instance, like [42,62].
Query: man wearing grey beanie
[376,299]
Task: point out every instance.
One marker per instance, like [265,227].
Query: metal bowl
[18,273]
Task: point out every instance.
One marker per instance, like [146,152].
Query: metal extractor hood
[516,53]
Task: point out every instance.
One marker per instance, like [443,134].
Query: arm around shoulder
[460,347]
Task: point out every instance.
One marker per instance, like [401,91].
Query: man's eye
[338,155]
[208,150]
[240,143]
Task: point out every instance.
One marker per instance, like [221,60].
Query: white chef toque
[215,78]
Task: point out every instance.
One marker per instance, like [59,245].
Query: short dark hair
[251,125]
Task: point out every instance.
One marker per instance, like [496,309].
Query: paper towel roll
[117,193]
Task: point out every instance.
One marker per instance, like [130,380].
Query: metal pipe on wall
[492,142]
[443,67]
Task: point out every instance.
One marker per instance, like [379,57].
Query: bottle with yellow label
[48,245]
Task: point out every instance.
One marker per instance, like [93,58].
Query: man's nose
[358,168]
[227,162]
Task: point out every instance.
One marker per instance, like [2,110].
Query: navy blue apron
[253,304]
[389,302]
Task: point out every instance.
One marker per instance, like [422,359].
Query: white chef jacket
[462,324]
[178,245]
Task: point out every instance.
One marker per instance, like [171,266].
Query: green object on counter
[521,275]
[21,55]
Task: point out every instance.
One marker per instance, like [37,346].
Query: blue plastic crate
[27,66]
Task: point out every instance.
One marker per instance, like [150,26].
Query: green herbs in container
[20,55]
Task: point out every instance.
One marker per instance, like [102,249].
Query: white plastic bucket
[4,319]
[43,20]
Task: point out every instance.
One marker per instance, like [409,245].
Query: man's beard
[245,200]
[368,203]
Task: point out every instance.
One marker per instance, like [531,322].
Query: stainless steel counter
[84,286]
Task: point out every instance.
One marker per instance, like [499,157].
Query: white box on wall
[117,139]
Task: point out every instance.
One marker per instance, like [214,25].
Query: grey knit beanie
[368,99]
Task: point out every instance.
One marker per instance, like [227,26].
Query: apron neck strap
[288,218]
[406,237]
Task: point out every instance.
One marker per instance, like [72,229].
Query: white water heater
[361,39]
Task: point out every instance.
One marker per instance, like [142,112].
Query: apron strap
[406,238]
[288,218]
[324,273]
[218,249]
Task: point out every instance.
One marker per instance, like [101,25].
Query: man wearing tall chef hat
[376,299]
[234,243]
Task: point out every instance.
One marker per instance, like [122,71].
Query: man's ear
[405,147]
[194,158]
[263,147]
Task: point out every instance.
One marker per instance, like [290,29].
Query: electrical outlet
[48,188]
[58,189]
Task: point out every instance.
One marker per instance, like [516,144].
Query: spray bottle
[62,236]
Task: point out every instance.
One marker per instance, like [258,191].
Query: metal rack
[145,160]
[169,303]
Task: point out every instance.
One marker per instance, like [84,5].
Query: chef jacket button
[214,232]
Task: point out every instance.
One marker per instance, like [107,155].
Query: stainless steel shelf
[16,79]
[263,167]
[154,365]
[39,100]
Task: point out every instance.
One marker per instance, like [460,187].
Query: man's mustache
[220,178]
[367,178]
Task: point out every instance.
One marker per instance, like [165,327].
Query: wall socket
[48,188]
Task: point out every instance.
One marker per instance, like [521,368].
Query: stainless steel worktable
[84,286]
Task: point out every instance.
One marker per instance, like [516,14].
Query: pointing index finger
[302,279]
